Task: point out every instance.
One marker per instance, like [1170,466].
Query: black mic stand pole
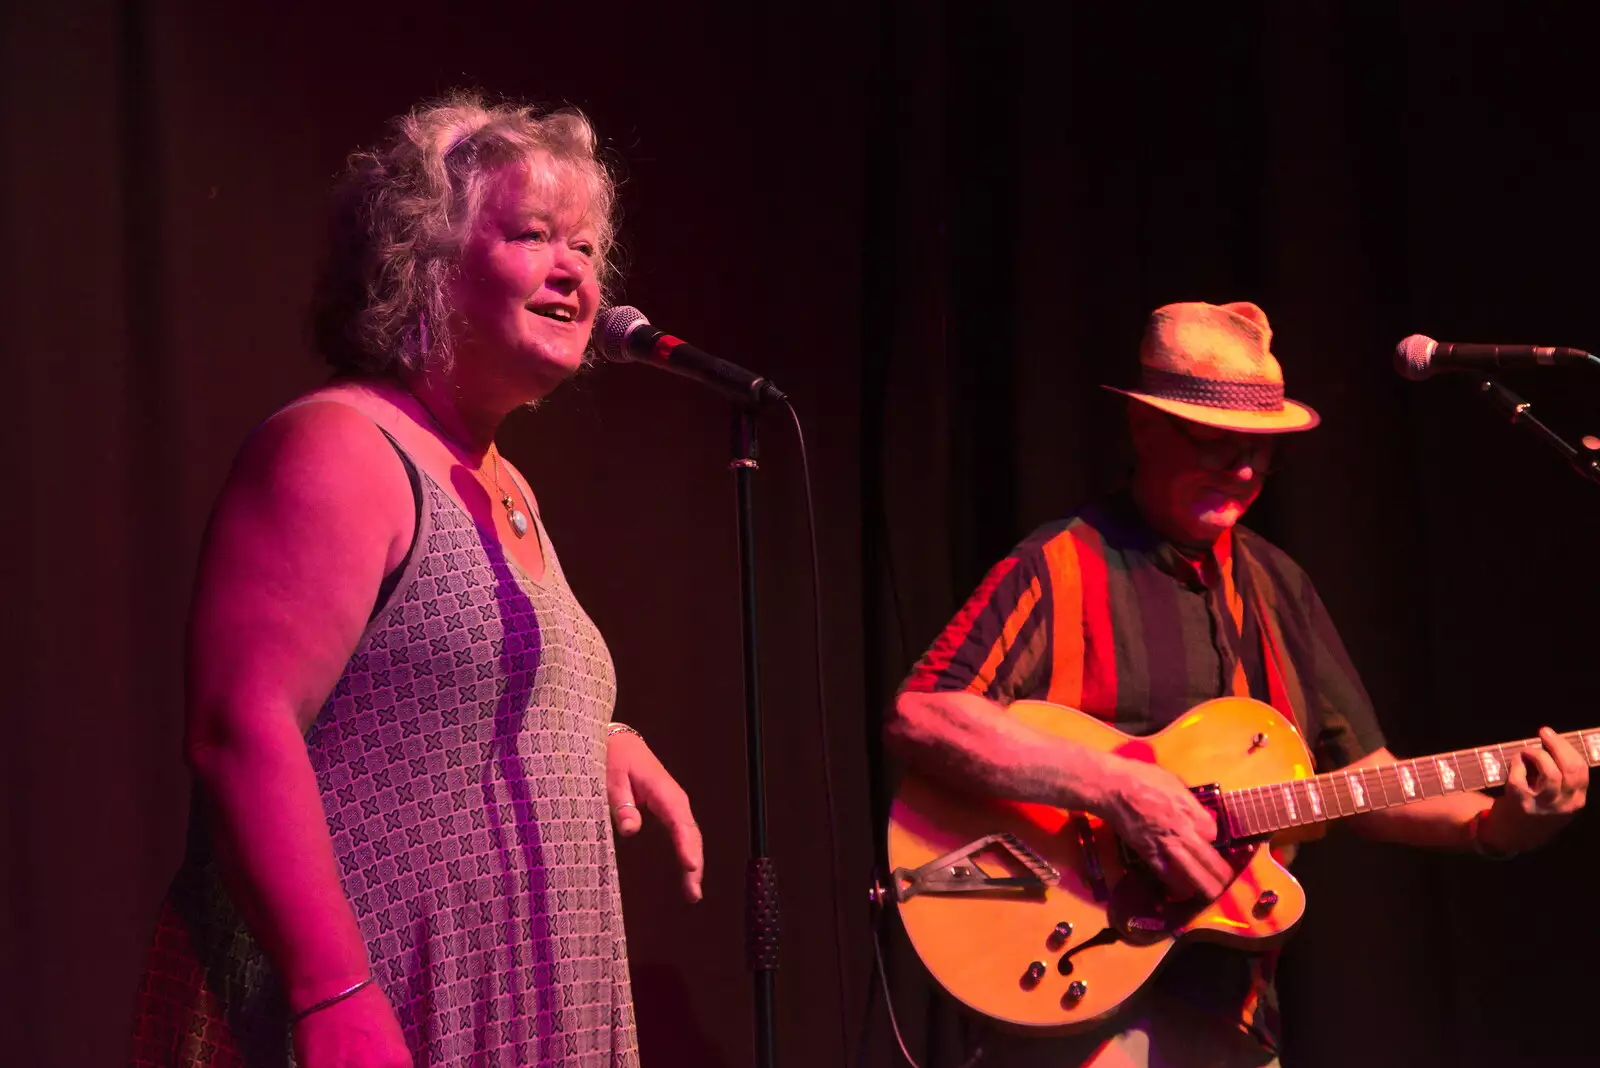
[1585,461]
[761,880]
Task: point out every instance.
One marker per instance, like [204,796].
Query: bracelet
[1475,836]
[622,728]
[329,1001]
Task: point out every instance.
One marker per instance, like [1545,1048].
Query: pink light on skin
[1219,510]
[525,294]
[526,290]
[1194,482]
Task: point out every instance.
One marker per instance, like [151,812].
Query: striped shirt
[1100,613]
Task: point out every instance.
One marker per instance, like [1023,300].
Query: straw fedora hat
[1213,364]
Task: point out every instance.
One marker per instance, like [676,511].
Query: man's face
[1195,481]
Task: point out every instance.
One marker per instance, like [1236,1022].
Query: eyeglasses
[1230,450]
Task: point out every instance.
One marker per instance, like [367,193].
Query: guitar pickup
[958,871]
[1091,856]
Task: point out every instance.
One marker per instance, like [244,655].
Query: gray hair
[402,212]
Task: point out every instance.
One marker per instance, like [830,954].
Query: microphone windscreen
[611,329]
[1413,356]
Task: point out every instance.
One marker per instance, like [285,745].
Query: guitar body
[998,949]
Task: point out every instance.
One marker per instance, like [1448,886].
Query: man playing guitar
[1135,610]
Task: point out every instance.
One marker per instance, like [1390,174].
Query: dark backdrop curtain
[939,227]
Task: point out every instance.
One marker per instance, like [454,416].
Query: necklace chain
[518,520]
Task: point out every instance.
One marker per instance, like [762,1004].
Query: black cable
[822,733]
[888,1004]
[864,1033]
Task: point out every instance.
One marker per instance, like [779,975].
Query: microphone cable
[822,732]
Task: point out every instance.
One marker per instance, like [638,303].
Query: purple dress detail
[461,759]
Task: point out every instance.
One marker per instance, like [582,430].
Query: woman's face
[526,294]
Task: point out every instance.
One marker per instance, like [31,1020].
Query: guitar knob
[1058,936]
[1075,992]
[1265,902]
[1035,972]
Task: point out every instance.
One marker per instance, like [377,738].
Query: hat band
[1213,392]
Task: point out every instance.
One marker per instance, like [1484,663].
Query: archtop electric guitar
[1038,918]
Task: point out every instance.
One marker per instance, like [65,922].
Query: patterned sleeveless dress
[461,760]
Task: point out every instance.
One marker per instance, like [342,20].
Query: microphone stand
[1585,461]
[761,878]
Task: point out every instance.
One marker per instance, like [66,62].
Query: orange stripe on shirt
[1066,593]
[949,642]
[1099,645]
[1235,607]
[1230,591]
[1008,638]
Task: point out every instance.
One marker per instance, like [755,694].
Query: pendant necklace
[517,517]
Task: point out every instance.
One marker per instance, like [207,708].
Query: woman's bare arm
[316,510]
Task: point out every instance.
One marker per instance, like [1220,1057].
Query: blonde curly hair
[402,211]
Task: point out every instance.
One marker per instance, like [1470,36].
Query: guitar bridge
[958,871]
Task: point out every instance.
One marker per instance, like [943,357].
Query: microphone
[626,336]
[1418,357]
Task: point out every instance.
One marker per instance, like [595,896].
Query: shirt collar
[1195,568]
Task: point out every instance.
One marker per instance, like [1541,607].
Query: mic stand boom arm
[1585,461]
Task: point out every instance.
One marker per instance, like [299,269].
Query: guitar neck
[1260,810]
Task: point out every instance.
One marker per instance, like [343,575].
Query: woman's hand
[358,1032]
[633,777]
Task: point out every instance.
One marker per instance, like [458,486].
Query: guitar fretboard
[1260,810]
